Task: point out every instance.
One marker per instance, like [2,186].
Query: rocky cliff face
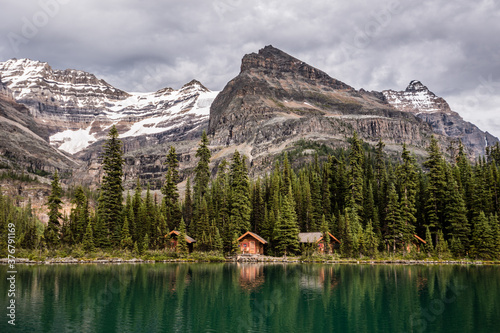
[24,144]
[420,101]
[277,100]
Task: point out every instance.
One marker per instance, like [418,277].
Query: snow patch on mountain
[73,141]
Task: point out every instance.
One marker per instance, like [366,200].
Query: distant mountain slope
[23,143]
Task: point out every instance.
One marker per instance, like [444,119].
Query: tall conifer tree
[202,171]
[54,204]
[111,196]
[356,162]
[240,198]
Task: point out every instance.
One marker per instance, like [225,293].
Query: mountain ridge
[277,98]
[86,106]
[274,102]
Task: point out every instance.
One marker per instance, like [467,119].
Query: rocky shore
[248,259]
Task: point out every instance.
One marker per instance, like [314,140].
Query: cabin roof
[420,239]
[314,237]
[188,239]
[257,237]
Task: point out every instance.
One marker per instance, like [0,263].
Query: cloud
[146,45]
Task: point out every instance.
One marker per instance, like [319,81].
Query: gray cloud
[147,45]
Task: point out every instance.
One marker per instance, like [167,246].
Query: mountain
[78,108]
[278,100]
[434,110]
[75,109]
[275,103]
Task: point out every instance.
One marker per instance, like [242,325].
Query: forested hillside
[374,205]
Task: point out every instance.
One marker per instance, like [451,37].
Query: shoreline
[250,260]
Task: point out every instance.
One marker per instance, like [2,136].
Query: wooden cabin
[317,238]
[173,241]
[418,241]
[251,243]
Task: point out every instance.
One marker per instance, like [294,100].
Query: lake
[212,297]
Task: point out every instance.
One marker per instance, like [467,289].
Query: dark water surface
[253,298]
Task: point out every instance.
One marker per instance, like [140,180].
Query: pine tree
[126,240]
[235,246]
[356,162]
[145,243]
[173,164]
[54,204]
[257,207]
[111,197]
[316,202]
[441,245]
[170,193]
[79,216]
[346,245]
[182,246]
[483,238]
[88,239]
[436,187]
[202,171]
[495,225]
[326,234]
[288,230]
[370,240]
[187,211]
[218,244]
[240,198]
[456,219]
[393,219]
[407,179]
[99,234]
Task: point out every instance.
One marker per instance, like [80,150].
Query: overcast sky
[450,46]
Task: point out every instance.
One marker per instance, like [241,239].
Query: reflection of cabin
[251,275]
[251,243]
[317,238]
[173,241]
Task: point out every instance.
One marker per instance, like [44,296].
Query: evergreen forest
[377,206]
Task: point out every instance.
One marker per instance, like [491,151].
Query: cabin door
[252,247]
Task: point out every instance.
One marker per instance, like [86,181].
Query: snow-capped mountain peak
[417,98]
[79,107]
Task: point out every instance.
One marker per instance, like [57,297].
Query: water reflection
[251,275]
[254,297]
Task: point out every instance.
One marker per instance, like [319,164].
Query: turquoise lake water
[224,297]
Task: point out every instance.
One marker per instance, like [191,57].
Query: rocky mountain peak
[196,85]
[415,86]
[416,98]
[273,62]
[25,77]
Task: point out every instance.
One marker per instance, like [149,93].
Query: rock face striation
[277,99]
[23,143]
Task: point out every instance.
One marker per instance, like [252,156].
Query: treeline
[27,227]
[372,204]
